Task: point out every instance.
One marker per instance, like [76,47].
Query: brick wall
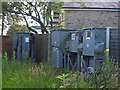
[80,19]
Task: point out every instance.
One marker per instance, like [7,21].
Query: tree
[8,18]
[17,28]
[40,12]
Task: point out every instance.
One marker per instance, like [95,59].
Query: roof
[110,5]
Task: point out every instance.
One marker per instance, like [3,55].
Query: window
[73,36]
[88,34]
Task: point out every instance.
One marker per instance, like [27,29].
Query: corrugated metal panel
[41,47]
[114,43]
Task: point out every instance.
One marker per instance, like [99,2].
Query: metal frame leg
[78,62]
[94,63]
[71,63]
[68,62]
[81,63]
[85,66]
[64,61]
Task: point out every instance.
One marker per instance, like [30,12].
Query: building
[94,14]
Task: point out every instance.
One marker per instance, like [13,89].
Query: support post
[107,42]
[85,66]
[57,58]
[71,63]
[78,62]
[94,62]
[81,63]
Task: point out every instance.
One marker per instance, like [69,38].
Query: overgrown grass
[107,77]
[30,75]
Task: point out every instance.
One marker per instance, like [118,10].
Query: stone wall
[82,18]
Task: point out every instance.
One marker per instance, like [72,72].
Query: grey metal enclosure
[24,45]
[34,46]
[65,47]
[94,48]
[57,57]
[83,50]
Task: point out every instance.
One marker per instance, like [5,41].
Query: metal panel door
[15,45]
[74,43]
[88,42]
[57,58]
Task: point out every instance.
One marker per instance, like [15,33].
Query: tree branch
[61,22]
[28,25]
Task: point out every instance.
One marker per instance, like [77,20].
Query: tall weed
[31,75]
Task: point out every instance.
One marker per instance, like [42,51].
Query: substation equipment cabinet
[83,50]
[26,46]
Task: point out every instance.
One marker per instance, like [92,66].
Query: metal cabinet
[24,45]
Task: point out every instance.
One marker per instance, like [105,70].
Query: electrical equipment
[84,50]
[27,45]
[94,47]
[24,45]
[65,47]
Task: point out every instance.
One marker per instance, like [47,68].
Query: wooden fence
[6,44]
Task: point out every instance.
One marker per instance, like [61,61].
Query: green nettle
[64,80]
[13,56]
[5,57]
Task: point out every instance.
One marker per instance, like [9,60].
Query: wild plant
[108,76]
[64,79]
[5,57]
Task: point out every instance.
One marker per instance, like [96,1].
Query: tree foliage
[17,28]
[8,18]
[40,12]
